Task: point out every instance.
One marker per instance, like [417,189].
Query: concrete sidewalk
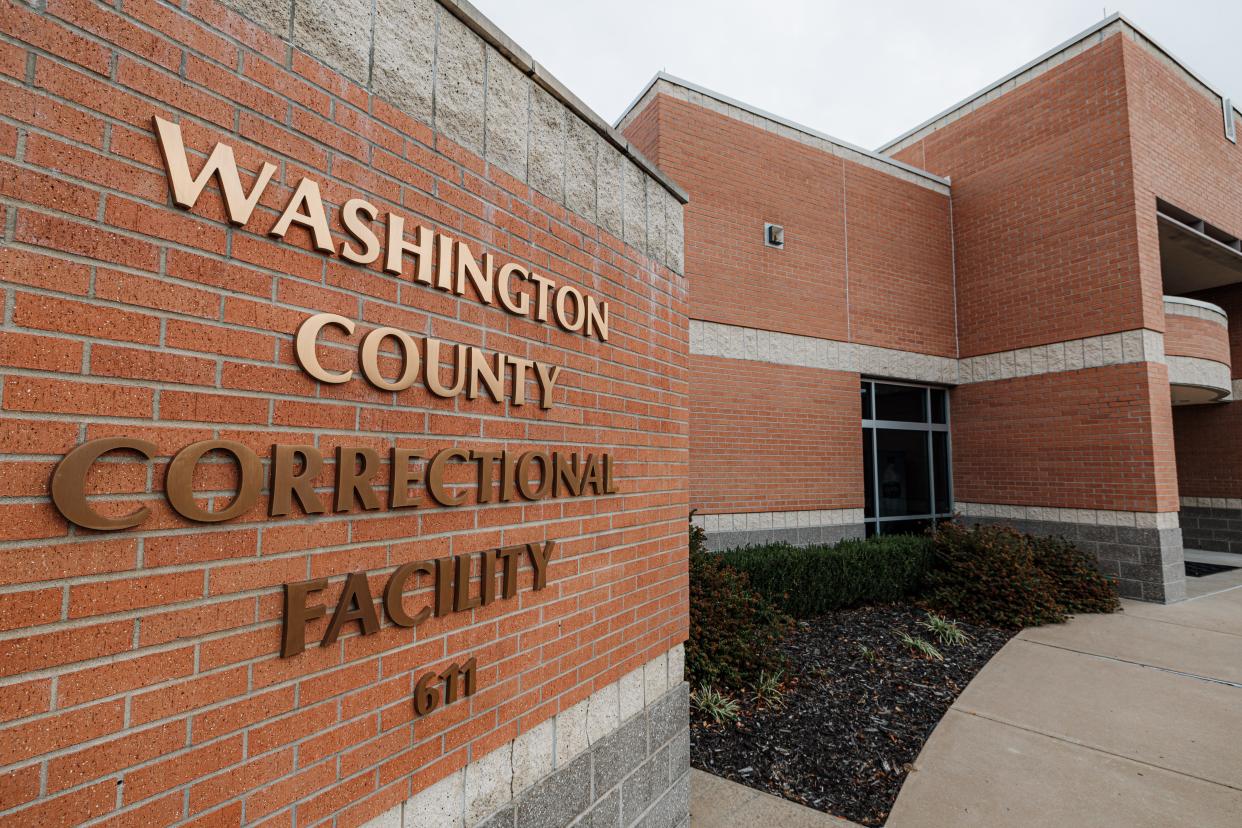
[1132,719]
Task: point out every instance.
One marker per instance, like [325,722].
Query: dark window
[902,465]
[906,457]
[940,471]
[868,474]
[900,403]
[939,406]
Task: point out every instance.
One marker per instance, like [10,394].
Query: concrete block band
[620,757]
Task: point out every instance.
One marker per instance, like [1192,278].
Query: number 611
[427,691]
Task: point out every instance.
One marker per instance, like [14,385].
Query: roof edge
[482,26]
[929,126]
[634,107]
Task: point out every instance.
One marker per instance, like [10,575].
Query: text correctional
[295,469]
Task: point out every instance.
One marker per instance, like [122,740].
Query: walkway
[1133,719]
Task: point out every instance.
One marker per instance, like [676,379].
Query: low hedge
[734,631]
[805,581]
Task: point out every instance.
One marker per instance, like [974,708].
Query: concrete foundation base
[1146,563]
[1212,528]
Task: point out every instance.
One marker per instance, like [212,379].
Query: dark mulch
[850,725]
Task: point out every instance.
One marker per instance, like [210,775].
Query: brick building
[1036,293]
[357,380]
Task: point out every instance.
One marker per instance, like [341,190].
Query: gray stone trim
[1201,373]
[1212,528]
[619,758]
[802,519]
[1055,514]
[432,59]
[1146,563]
[1076,45]
[665,84]
[1195,308]
[1121,348]
[736,342]
[800,528]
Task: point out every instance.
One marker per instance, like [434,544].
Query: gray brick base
[1146,564]
[801,536]
[638,775]
[1215,530]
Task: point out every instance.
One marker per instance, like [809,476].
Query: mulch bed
[850,724]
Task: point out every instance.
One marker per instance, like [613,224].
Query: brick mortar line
[258,592]
[642,259]
[358,405]
[248,757]
[432,316]
[249,664]
[376,660]
[310,795]
[245,51]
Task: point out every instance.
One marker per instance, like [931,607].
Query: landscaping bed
[855,712]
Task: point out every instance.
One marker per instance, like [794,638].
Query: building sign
[436,260]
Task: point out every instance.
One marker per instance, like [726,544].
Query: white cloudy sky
[862,70]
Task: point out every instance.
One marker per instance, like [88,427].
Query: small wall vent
[774,235]
[1231,129]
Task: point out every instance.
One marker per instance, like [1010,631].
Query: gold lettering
[358,229]
[544,285]
[515,302]
[285,483]
[180,483]
[398,247]
[596,318]
[410,359]
[435,477]
[308,334]
[69,483]
[539,557]
[570,474]
[545,475]
[351,480]
[460,369]
[313,217]
[547,376]
[562,313]
[186,190]
[493,379]
[483,278]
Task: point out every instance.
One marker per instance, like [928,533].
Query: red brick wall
[900,264]
[779,438]
[1182,156]
[898,281]
[139,670]
[1193,337]
[1043,208]
[773,437]
[1086,439]
[1229,299]
[1209,454]
[740,177]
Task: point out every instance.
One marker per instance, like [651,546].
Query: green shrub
[1075,579]
[996,575]
[806,581]
[734,631]
[987,575]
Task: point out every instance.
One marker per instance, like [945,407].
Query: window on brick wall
[906,457]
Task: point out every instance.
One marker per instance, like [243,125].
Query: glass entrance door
[906,456]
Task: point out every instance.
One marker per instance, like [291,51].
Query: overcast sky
[863,71]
